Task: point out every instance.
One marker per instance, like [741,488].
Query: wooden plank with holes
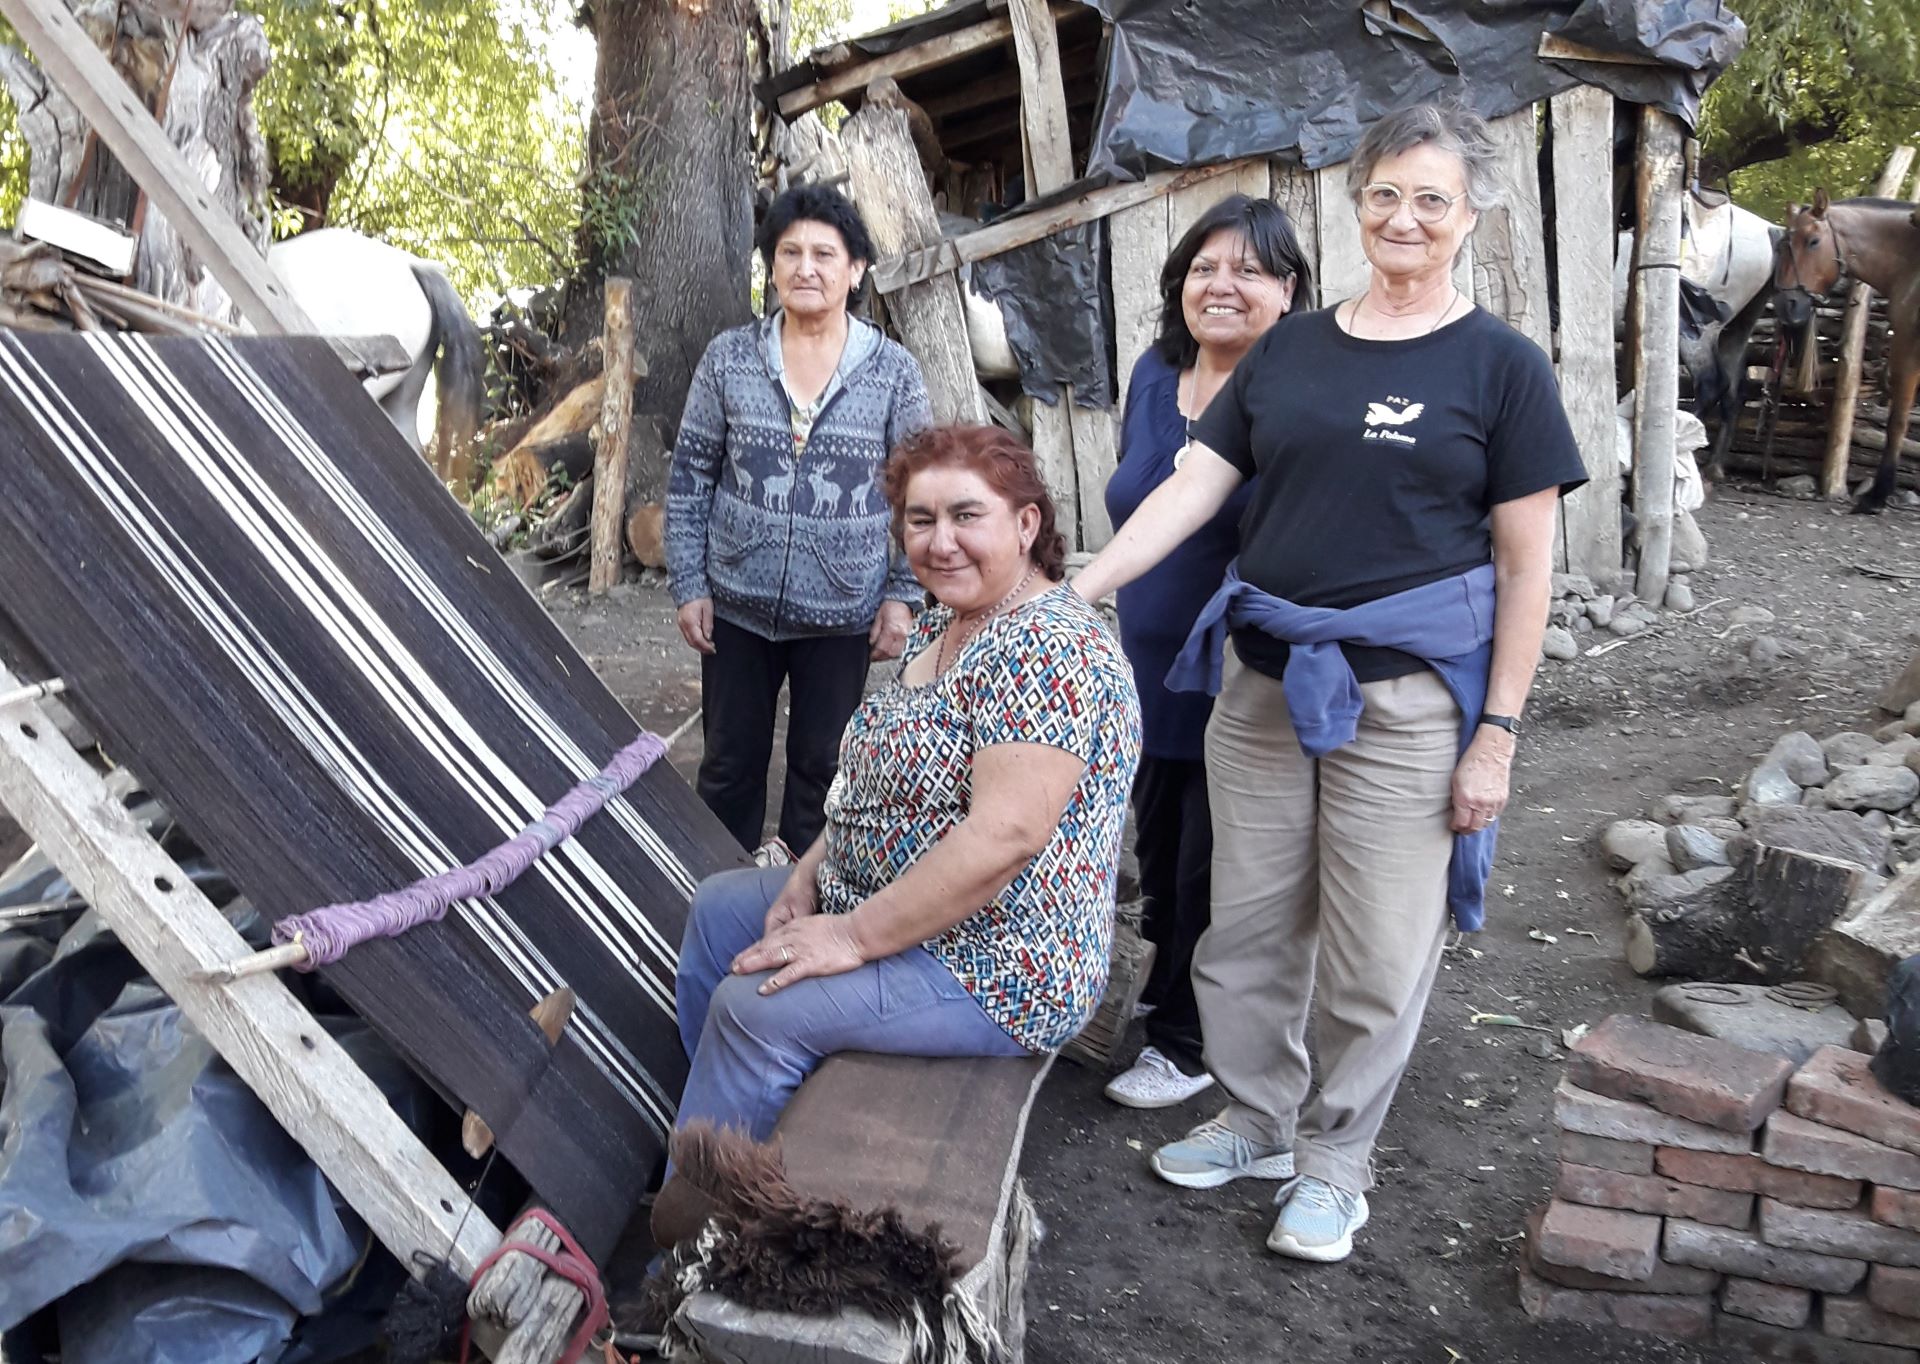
[1343,264]
[1043,95]
[305,1079]
[1137,244]
[104,99]
[1096,454]
[1510,255]
[1583,237]
[1051,425]
[1297,192]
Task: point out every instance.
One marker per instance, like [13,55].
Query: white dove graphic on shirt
[1379,414]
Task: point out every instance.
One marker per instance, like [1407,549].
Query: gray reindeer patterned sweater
[791,542]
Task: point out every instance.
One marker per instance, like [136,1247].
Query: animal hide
[773,1248]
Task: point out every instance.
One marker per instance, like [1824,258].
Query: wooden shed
[986,103]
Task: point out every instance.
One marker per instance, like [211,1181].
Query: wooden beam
[1043,96]
[110,107]
[1583,236]
[1510,248]
[1555,48]
[896,272]
[1656,318]
[891,190]
[1136,250]
[306,1080]
[1853,345]
[610,444]
[948,47]
[1343,263]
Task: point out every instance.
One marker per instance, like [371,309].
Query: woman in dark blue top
[1235,273]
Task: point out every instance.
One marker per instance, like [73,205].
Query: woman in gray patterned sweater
[777,533]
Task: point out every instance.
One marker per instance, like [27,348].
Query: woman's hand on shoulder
[817,945]
[1482,780]
[889,633]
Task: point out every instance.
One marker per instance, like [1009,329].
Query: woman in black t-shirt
[1385,617]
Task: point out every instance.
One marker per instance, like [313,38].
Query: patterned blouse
[1046,672]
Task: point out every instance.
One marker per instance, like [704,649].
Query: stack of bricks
[1708,1192]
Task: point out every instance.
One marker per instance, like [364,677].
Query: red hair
[1004,463]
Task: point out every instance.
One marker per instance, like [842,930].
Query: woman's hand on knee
[799,898]
[1481,781]
[818,945]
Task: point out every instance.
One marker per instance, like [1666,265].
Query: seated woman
[960,900]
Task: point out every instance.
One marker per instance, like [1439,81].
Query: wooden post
[1343,264]
[83,72]
[611,432]
[1657,323]
[1510,255]
[1853,344]
[1583,237]
[309,1084]
[1136,249]
[1043,96]
[886,181]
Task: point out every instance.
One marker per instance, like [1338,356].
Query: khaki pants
[1330,873]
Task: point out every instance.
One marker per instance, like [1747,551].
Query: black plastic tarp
[1189,84]
[1031,284]
[151,1209]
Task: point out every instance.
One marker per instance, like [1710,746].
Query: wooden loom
[305,648]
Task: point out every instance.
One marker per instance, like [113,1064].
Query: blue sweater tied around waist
[1448,625]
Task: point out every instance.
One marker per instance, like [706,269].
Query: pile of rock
[1741,886]
[1579,608]
[1708,1191]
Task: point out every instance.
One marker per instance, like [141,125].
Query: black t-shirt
[1379,461]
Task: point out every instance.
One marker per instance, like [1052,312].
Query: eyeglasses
[1429,205]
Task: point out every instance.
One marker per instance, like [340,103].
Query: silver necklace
[978,624]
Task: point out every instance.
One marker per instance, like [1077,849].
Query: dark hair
[1006,464]
[819,204]
[1268,231]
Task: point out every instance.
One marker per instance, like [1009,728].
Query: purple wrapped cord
[331,930]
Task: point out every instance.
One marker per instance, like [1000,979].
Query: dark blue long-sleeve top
[1157,611]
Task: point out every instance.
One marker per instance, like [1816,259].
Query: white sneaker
[1317,1221]
[1213,1154]
[1155,1082]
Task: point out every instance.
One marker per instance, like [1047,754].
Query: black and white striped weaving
[275,616]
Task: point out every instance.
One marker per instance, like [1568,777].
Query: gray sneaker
[1213,1154]
[1317,1221]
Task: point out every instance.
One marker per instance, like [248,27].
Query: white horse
[1727,255]
[352,285]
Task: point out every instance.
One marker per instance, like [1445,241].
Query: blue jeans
[750,1051]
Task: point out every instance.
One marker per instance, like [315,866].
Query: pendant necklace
[946,638]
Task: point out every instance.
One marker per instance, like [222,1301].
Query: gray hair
[1458,131]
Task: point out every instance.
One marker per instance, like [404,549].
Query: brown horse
[1876,242]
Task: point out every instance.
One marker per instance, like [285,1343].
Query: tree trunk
[669,198]
[200,78]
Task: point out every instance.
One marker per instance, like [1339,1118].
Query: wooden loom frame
[306,1080]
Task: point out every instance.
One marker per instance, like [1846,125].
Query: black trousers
[739,689]
[1173,839]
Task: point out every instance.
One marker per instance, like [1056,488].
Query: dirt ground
[1134,1270]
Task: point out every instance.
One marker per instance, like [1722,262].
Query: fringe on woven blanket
[773,1249]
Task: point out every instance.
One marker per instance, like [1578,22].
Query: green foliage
[442,126]
[1822,94]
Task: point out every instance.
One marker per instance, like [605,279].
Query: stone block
[1873,787]
[1691,847]
[1798,1144]
[1897,1208]
[1849,748]
[1757,1017]
[1836,1088]
[1604,1153]
[1893,1289]
[1626,843]
[1681,1280]
[1654,1194]
[1859,953]
[1764,1344]
[1859,1319]
[1869,1035]
[1800,756]
[1673,1317]
[1744,1255]
[1681,1073]
[1821,833]
[1750,1174]
[1846,1234]
[1622,1245]
[1596,1115]
[1775,1303]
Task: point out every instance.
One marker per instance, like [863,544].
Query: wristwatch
[1510,723]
